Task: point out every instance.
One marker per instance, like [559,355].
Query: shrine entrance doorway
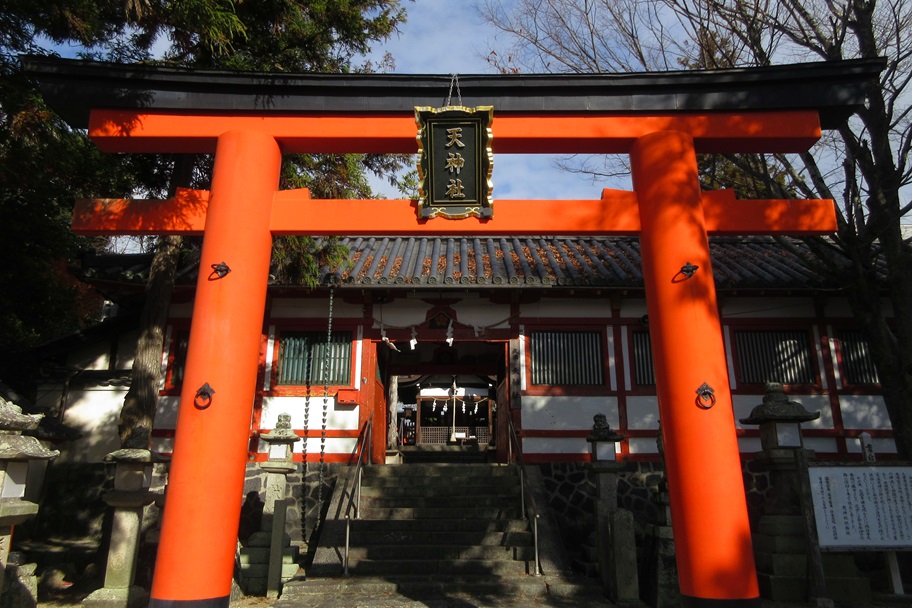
[447,400]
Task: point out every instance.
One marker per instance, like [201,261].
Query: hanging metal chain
[327,359]
[454,81]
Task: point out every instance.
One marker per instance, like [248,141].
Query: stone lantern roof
[777,407]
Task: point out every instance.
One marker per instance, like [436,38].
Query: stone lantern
[779,419]
[269,559]
[602,440]
[280,448]
[132,492]
[16,451]
[615,541]
[787,563]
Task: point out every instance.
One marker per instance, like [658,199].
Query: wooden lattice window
[643,369]
[857,364]
[774,356]
[303,354]
[567,358]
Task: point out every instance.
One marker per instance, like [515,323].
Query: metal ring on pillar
[706,396]
[219,271]
[203,397]
[689,270]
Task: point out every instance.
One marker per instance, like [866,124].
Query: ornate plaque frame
[455,162]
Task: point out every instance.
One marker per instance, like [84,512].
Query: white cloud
[440,37]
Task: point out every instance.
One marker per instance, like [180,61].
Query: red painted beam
[154,132]
[294,212]
[185,213]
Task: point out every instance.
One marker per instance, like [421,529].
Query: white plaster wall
[746,308]
[633,308]
[566,308]
[747,445]
[824,445]
[310,308]
[126,350]
[481,313]
[555,445]
[166,414]
[837,308]
[642,445]
[93,413]
[864,412]
[334,445]
[643,413]
[163,445]
[96,356]
[49,395]
[470,310]
[401,313]
[882,445]
[560,413]
[341,417]
[813,403]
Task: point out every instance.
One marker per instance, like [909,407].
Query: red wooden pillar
[202,506]
[708,505]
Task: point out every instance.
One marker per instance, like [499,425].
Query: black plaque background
[440,176]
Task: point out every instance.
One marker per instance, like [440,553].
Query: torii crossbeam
[667,209]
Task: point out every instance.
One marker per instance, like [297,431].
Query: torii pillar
[695,404]
[242,212]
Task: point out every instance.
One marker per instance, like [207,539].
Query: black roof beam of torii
[75,87]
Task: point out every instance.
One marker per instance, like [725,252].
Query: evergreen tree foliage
[45,165]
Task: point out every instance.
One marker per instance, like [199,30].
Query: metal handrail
[524,491]
[354,499]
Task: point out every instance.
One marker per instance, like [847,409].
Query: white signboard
[864,507]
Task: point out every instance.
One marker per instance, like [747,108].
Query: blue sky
[449,37]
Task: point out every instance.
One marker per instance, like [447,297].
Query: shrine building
[461,319]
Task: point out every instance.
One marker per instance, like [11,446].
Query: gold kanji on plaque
[455,161]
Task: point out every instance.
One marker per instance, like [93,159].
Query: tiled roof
[751,262]
[756,262]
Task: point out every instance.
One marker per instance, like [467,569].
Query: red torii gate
[243,210]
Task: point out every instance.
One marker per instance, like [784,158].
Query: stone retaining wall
[302,513]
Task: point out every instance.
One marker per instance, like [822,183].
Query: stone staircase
[431,530]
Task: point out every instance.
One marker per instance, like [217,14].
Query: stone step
[455,524]
[586,568]
[424,553]
[410,537]
[262,570]
[260,555]
[440,486]
[430,470]
[439,567]
[437,502]
[393,513]
[447,454]
[581,592]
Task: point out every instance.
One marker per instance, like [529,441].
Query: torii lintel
[295,212]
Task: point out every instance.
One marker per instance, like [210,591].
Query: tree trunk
[138,411]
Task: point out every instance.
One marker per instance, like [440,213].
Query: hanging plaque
[455,162]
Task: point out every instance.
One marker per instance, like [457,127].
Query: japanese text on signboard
[455,162]
[862,507]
